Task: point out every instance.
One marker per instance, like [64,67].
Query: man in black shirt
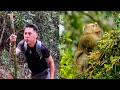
[38,57]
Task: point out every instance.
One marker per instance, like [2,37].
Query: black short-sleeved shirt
[35,64]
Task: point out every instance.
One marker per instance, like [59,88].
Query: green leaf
[102,46]
[67,34]
[106,65]
[107,39]
[67,62]
[68,39]
[111,59]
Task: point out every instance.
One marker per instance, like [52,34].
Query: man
[41,68]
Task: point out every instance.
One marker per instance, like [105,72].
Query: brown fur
[91,34]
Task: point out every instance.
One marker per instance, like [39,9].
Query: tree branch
[105,28]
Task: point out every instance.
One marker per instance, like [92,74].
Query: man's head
[30,33]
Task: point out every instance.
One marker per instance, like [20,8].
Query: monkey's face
[91,28]
[96,28]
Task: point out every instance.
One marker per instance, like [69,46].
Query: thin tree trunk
[2,34]
[4,25]
[14,45]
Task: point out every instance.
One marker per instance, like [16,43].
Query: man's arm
[52,66]
[46,54]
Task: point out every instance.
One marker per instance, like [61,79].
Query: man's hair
[30,25]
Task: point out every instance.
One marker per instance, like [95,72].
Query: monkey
[87,42]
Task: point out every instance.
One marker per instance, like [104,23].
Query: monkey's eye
[94,25]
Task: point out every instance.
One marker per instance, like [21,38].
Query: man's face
[30,35]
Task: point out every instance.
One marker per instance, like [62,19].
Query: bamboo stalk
[14,45]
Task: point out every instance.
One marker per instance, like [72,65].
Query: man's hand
[13,38]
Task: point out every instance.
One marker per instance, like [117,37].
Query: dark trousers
[43,75]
